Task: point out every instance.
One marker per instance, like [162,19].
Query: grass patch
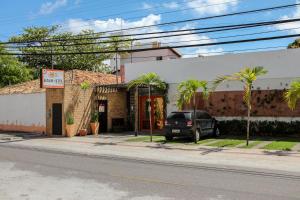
[146,139]
[161,139]
[227,143]
[251,145]
[205,141]
[280,145]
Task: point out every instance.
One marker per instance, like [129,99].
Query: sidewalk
[116,146]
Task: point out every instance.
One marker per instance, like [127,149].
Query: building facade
[227,102]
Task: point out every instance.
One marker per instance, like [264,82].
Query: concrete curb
[179,147]
[202,166]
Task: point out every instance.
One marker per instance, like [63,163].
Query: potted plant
[70,126]
[94,123]
[85,85]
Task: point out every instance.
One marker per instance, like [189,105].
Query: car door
[209,123]
[202,122]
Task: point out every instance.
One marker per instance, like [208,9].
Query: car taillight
[189,123]
[166,123]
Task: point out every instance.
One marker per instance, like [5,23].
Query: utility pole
[51,56]
[131,51]
[117,68]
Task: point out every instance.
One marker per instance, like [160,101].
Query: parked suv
[180,124]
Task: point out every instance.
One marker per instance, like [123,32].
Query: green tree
[186,92]
[292,95]
[35,34]
[247,76]
[294,45]
[11,70]
[51,40]
[151,81]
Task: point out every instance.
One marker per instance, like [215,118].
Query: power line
[194,19]
[159,13]
[201,18]
[208,39]
[151,49]
[187,1]
[217,29]
[209,53]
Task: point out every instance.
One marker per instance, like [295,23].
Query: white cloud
[49,7]
[147,6]
[292,25]
[171,5]
[211,6]
[77,25]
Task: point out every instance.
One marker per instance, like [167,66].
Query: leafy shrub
[94,117]
[260,128]
[70,119]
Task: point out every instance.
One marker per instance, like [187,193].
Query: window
[159,58]
[178,115]
[203,115]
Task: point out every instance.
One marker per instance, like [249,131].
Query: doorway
[157,113]
[103,110]
[57,119]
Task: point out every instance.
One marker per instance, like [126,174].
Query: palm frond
[150,79]
[259,71]
[293,94]
[187,90]
[219,80]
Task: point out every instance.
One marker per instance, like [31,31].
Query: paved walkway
[297,147]
[116,146]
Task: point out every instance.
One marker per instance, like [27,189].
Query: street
[34,175]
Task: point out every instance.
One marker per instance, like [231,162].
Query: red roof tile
[71,77]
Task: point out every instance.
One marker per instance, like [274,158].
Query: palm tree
[293,94]
[150,80]
[247,76]
[187,91]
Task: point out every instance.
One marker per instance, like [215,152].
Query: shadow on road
[10,137]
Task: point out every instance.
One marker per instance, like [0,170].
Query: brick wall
[79,103]
[117,106]
[266,103]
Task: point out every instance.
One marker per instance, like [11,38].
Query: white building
[144,56]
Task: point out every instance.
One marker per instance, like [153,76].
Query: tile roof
[78,76]
[23,88]
[71,77]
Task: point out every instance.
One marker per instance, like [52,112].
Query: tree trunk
[194,118]
[149,110]
[248,120]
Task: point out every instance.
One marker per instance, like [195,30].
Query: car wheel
[197,136]
[169,138]
[217,132]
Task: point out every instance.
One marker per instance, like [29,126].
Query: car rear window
[203,115]
[180,116]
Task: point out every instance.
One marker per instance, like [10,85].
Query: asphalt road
[36,175]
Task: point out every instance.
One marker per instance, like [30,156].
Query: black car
[180,124]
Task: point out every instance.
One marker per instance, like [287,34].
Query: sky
[105,15]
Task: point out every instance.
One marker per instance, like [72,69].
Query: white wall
[144,56]
[280,64]
[23,109]
[283,67]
